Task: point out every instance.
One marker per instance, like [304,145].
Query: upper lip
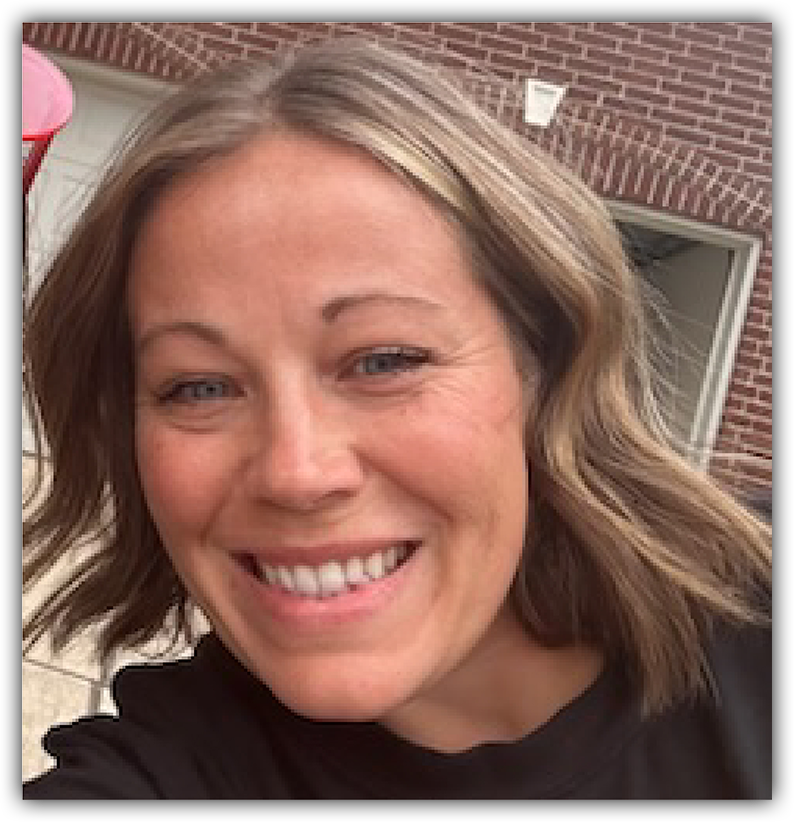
[318,554]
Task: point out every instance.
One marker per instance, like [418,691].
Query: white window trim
[730,321]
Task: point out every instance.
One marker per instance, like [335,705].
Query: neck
[506,688]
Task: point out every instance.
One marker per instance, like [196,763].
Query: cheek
[181,482]
[463,453]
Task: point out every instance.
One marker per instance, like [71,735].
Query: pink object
[47,103]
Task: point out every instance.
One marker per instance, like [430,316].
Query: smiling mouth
[334,577]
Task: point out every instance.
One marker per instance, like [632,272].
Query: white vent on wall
[541,101]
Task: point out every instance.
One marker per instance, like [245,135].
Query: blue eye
[197,391]
[391,360]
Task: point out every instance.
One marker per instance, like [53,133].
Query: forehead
[312,211]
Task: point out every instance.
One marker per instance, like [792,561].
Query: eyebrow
[209,333]
[331,310]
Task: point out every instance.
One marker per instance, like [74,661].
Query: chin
[336,691]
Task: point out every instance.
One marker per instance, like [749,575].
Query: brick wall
[674,116]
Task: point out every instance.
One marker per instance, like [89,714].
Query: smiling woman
[364,380]
[346,368]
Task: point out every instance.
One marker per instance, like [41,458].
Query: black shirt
[206,728]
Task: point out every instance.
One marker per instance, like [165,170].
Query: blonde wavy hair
[629,547]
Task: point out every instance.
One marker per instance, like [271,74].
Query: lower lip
[320,612]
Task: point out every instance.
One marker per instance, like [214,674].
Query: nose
[302,456]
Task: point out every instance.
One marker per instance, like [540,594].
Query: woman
[363,376]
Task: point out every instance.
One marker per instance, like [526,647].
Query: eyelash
[397,359]
[177,392]
[403,357]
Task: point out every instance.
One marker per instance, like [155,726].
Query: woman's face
[329,424]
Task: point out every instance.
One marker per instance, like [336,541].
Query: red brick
[743,90]
[758,139]
[687,31]
[737,147]
[258,41]
[607,58]
[710,55]
[621,104]
[501,44]
[555,29]
[751,121]
[759,301]
[750,64]
[750,78]
[482,28]
[574,93]
[519,63]
[729,101]
[723,129]
[684,62]
[693,107]
[472,52]
[755,332]
[697,78]
[454,32]
[213,29]
[752,50]
[761,169]
[668,43]
[597,39]
[667,115]
[689,135]
[564,46]
[622,31]
[759,439]
[762,425]
[643,51]
[757,36]
[636,92]
[654,68]
[688,90]
[226,46]
[520,32]
[725,29]
[636,77]
[658,28]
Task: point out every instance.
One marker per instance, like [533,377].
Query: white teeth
[354,571]
[333,577]
[306,581]
[285,579]
[373,565]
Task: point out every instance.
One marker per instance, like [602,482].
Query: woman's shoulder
[740,660]
[740,667]
[172,718]
[718,746]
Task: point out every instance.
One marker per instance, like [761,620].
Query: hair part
[629,547]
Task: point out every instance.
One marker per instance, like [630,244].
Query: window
[703,275]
